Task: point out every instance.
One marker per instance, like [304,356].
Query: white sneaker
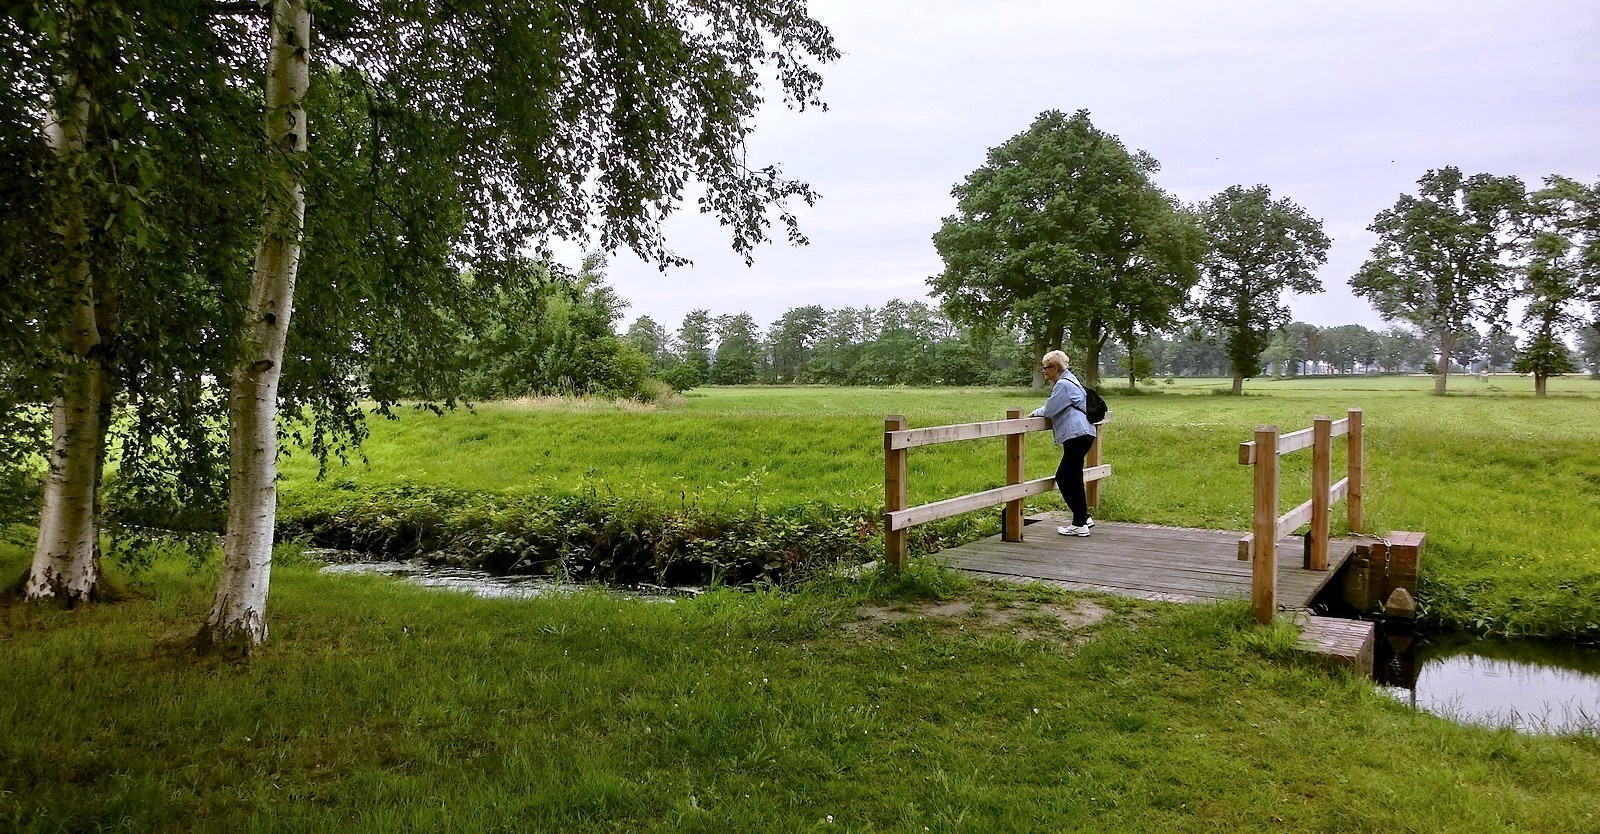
[1089,523]
[1073,530]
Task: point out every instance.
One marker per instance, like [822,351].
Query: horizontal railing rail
[897,440]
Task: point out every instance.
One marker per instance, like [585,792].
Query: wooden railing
[898,440]
[1267,528]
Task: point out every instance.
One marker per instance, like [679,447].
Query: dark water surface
[1530,686]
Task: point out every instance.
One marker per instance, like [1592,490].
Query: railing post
[1091,490]
[1011,525]
[1264,545]
[1321,507]
[894,492]
[1354,458]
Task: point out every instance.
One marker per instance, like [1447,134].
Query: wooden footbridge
[1274,570]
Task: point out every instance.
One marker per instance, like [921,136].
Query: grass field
[1506,486]
[852,705]
[916,702]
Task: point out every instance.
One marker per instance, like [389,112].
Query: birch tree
[238,613]
[93,120]
[581,121]
[1441,257]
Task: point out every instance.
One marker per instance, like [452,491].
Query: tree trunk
[1539,384]
[1091,361]
[1441,374]
[238,615]
[1038,364]
[66,556]
[1238,382]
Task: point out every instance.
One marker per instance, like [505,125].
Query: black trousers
[1069,477]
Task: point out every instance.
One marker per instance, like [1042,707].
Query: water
[488,585]
[1529,686]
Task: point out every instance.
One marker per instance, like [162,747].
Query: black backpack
[1094,406]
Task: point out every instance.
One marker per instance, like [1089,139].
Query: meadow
[1506,486]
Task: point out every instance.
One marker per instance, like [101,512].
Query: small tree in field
[1439,260]
[1260,249]
[1561,275]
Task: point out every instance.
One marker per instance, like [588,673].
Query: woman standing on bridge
[1073,433]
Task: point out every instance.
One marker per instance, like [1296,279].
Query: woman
[1073,433]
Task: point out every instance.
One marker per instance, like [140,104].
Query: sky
[1339,106]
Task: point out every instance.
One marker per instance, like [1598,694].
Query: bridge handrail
[1268,527]
[897,440]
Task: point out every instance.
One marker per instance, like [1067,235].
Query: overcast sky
[1339,106]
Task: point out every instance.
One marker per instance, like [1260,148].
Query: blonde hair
[1056,358]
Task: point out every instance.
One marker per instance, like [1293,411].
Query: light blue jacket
[1065,409]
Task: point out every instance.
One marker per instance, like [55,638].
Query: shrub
[586,536]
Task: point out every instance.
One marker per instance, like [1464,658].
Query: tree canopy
[1440,260]
[1063,235]
[1260,249]
[425,139]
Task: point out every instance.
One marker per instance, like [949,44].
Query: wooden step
[1342,643]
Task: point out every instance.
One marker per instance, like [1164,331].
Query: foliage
[1062,233]
[1260,249]
[1438,262]
[583,536]
[739,357]
[1562,274]
[1589,348]
[539,331]
[896,344]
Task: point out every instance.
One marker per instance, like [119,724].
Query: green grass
[1506,486]
[380,707]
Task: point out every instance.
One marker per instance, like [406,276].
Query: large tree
[1063,235]
[793,338]
[1561,276]
[1261,249]
[122,242]
[740,358]
[1440,260]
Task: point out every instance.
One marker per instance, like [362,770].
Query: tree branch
[246,8]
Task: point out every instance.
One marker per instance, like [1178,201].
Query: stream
[481,583]
[1530,686]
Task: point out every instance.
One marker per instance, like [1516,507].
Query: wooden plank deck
[1174,564]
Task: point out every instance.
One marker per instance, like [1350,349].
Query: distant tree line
[899,343]
[912,343]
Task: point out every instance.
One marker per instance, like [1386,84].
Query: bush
[682,377]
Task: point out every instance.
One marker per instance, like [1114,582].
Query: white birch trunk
[66,556]
[238,618]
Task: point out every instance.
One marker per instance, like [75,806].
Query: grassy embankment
[380,707]
[1506,486]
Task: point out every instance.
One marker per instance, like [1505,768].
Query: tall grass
[1506,486]
[379,707]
